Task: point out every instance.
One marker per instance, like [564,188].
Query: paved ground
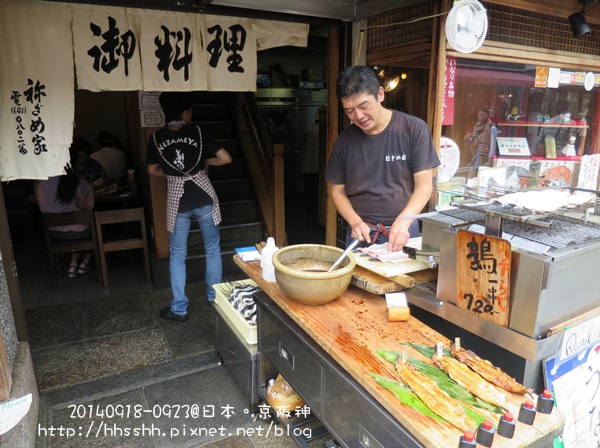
[113,374]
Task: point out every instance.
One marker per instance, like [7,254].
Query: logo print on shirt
[395,158]
[179,160]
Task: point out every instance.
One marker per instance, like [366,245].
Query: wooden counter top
[353,327]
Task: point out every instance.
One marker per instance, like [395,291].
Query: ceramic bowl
[301,273]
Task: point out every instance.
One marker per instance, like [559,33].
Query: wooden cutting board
[371,282]
[389,269]
[353,327]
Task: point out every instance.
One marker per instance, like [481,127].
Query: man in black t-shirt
[182,153]
[381,167]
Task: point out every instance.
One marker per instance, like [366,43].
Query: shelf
[542,124]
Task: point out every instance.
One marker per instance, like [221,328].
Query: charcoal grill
[553,272]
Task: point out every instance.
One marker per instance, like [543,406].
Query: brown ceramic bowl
[301,272]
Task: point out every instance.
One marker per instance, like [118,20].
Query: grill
[561,231]
[558,229]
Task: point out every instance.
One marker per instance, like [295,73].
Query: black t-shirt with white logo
[180,152]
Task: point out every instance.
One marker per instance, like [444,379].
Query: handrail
[265,162]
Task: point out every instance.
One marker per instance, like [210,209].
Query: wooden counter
[353,327]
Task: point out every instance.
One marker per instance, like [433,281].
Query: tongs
[351,246]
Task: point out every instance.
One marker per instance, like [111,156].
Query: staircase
[241,225]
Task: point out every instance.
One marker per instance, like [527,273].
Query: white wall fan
[466,25]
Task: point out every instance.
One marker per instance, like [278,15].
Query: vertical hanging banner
[36,89]
[230,48]
[483,276]
[106,43]
[172,51]
[449,91]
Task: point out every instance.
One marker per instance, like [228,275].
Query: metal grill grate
[563,231]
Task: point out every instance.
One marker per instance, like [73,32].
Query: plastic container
[266,260]
[545,402]
[507,425]
[527,413]
[240,326]
[467,440]
[485,433]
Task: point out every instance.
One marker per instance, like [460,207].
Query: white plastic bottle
[266,260]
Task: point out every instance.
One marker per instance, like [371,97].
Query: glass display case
[513,110]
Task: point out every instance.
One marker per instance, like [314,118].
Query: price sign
[483,271]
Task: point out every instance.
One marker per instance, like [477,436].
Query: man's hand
[361,231]
[399,235]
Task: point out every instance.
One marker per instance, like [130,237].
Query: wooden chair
[114,243]
[56,246]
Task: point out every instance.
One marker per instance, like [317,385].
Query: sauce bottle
[527,413]
[266,260]
[506,426]
[467,440]
[485,433]
[545,402]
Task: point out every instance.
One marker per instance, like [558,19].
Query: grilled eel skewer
[488,371]
[470,380]
[437,400]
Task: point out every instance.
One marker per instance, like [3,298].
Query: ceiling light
[577,20]
[392,84]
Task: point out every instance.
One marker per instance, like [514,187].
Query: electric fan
[466,25]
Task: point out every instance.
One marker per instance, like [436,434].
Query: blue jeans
[178,246]
[413,230]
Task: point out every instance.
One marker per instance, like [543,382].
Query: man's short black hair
[357,79]
[174,104]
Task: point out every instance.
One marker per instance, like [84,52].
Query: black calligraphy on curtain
[33,95]
[116,47]
[233,41]
[173,51]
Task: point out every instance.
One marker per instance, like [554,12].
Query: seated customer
[83,165]
[62,194]
[111,157]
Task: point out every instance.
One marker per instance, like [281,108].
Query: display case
[507,110]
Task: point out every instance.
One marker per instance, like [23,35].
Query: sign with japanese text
[588,172]
[106,45]
[111,49]
[483,276]
[36,103]
[541,77]
[449,91]
[172,54]
[513,146]
[230,48]
[576,387]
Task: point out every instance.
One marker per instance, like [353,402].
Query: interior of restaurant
[109,112]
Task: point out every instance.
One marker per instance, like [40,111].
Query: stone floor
[113,374]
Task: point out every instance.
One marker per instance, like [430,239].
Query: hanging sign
[483,276]
[449,159]
[449,91]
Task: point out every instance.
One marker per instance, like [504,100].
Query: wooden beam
[558,8]
[500,51]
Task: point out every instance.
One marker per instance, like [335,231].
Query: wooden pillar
[438,93]
[333,68]
[278,195]
[10,269]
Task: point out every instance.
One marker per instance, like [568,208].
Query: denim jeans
[413,231]
[178,246]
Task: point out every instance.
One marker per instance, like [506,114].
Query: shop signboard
[483,284]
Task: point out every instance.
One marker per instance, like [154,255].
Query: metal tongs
[351,246]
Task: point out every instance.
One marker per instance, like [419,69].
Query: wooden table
[353,327]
